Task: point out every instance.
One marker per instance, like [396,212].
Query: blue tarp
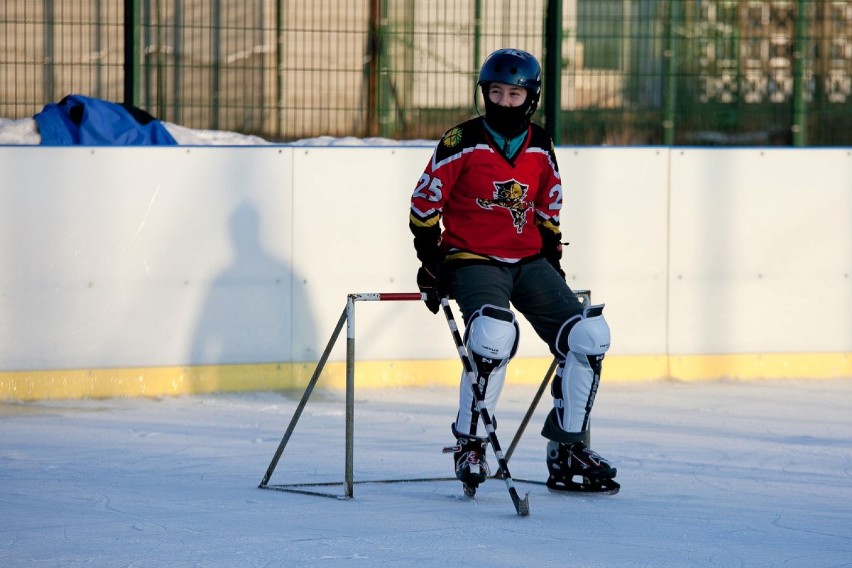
[94,122]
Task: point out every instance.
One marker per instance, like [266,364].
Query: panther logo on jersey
[510,195]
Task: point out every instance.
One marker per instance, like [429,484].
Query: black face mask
[507,121]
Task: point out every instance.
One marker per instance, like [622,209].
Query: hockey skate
[565,462]
[471,467]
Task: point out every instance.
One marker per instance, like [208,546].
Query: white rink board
[117,257]
[126,257]
[614,216]
[618,249]
[761,251]
[351,234]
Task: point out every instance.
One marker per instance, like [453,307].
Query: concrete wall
[200,268]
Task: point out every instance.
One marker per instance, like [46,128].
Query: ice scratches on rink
[720,473]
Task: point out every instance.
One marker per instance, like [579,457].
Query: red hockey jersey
[488,204]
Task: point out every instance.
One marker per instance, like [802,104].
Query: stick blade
[522,506]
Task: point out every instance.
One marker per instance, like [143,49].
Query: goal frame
[348,318]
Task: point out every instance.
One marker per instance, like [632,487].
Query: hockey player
[485,219]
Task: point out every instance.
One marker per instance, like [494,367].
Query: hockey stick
[528,415]
[522,506]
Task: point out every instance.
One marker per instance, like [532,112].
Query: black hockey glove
[551,249]
[429,284]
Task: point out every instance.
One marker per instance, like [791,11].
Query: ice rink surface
[717,474]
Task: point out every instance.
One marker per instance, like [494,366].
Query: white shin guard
[468,417]
[491,340]
[576,383]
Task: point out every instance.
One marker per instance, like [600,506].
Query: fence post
[48,72]
[132,26]
[670,75]
[385,87]
[378,74]
[372,70]
[477,50]
[553,70]
[279,69]
[800,51]
[216,69]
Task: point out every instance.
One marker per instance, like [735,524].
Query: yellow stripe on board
[762,366]
[151,381]
[171,381]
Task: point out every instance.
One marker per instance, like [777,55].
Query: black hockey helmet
[511,67]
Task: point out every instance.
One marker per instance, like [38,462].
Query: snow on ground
[24,131]
[718,474]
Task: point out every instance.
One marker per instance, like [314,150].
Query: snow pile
[21,131]
[24,132]
[353,141]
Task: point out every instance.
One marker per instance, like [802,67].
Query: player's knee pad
[590,335]
[586,334]
[491,337]
[576,381]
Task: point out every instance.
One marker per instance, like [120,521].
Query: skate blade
[471,482]
[594,487]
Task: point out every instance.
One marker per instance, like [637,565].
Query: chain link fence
[686,72]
